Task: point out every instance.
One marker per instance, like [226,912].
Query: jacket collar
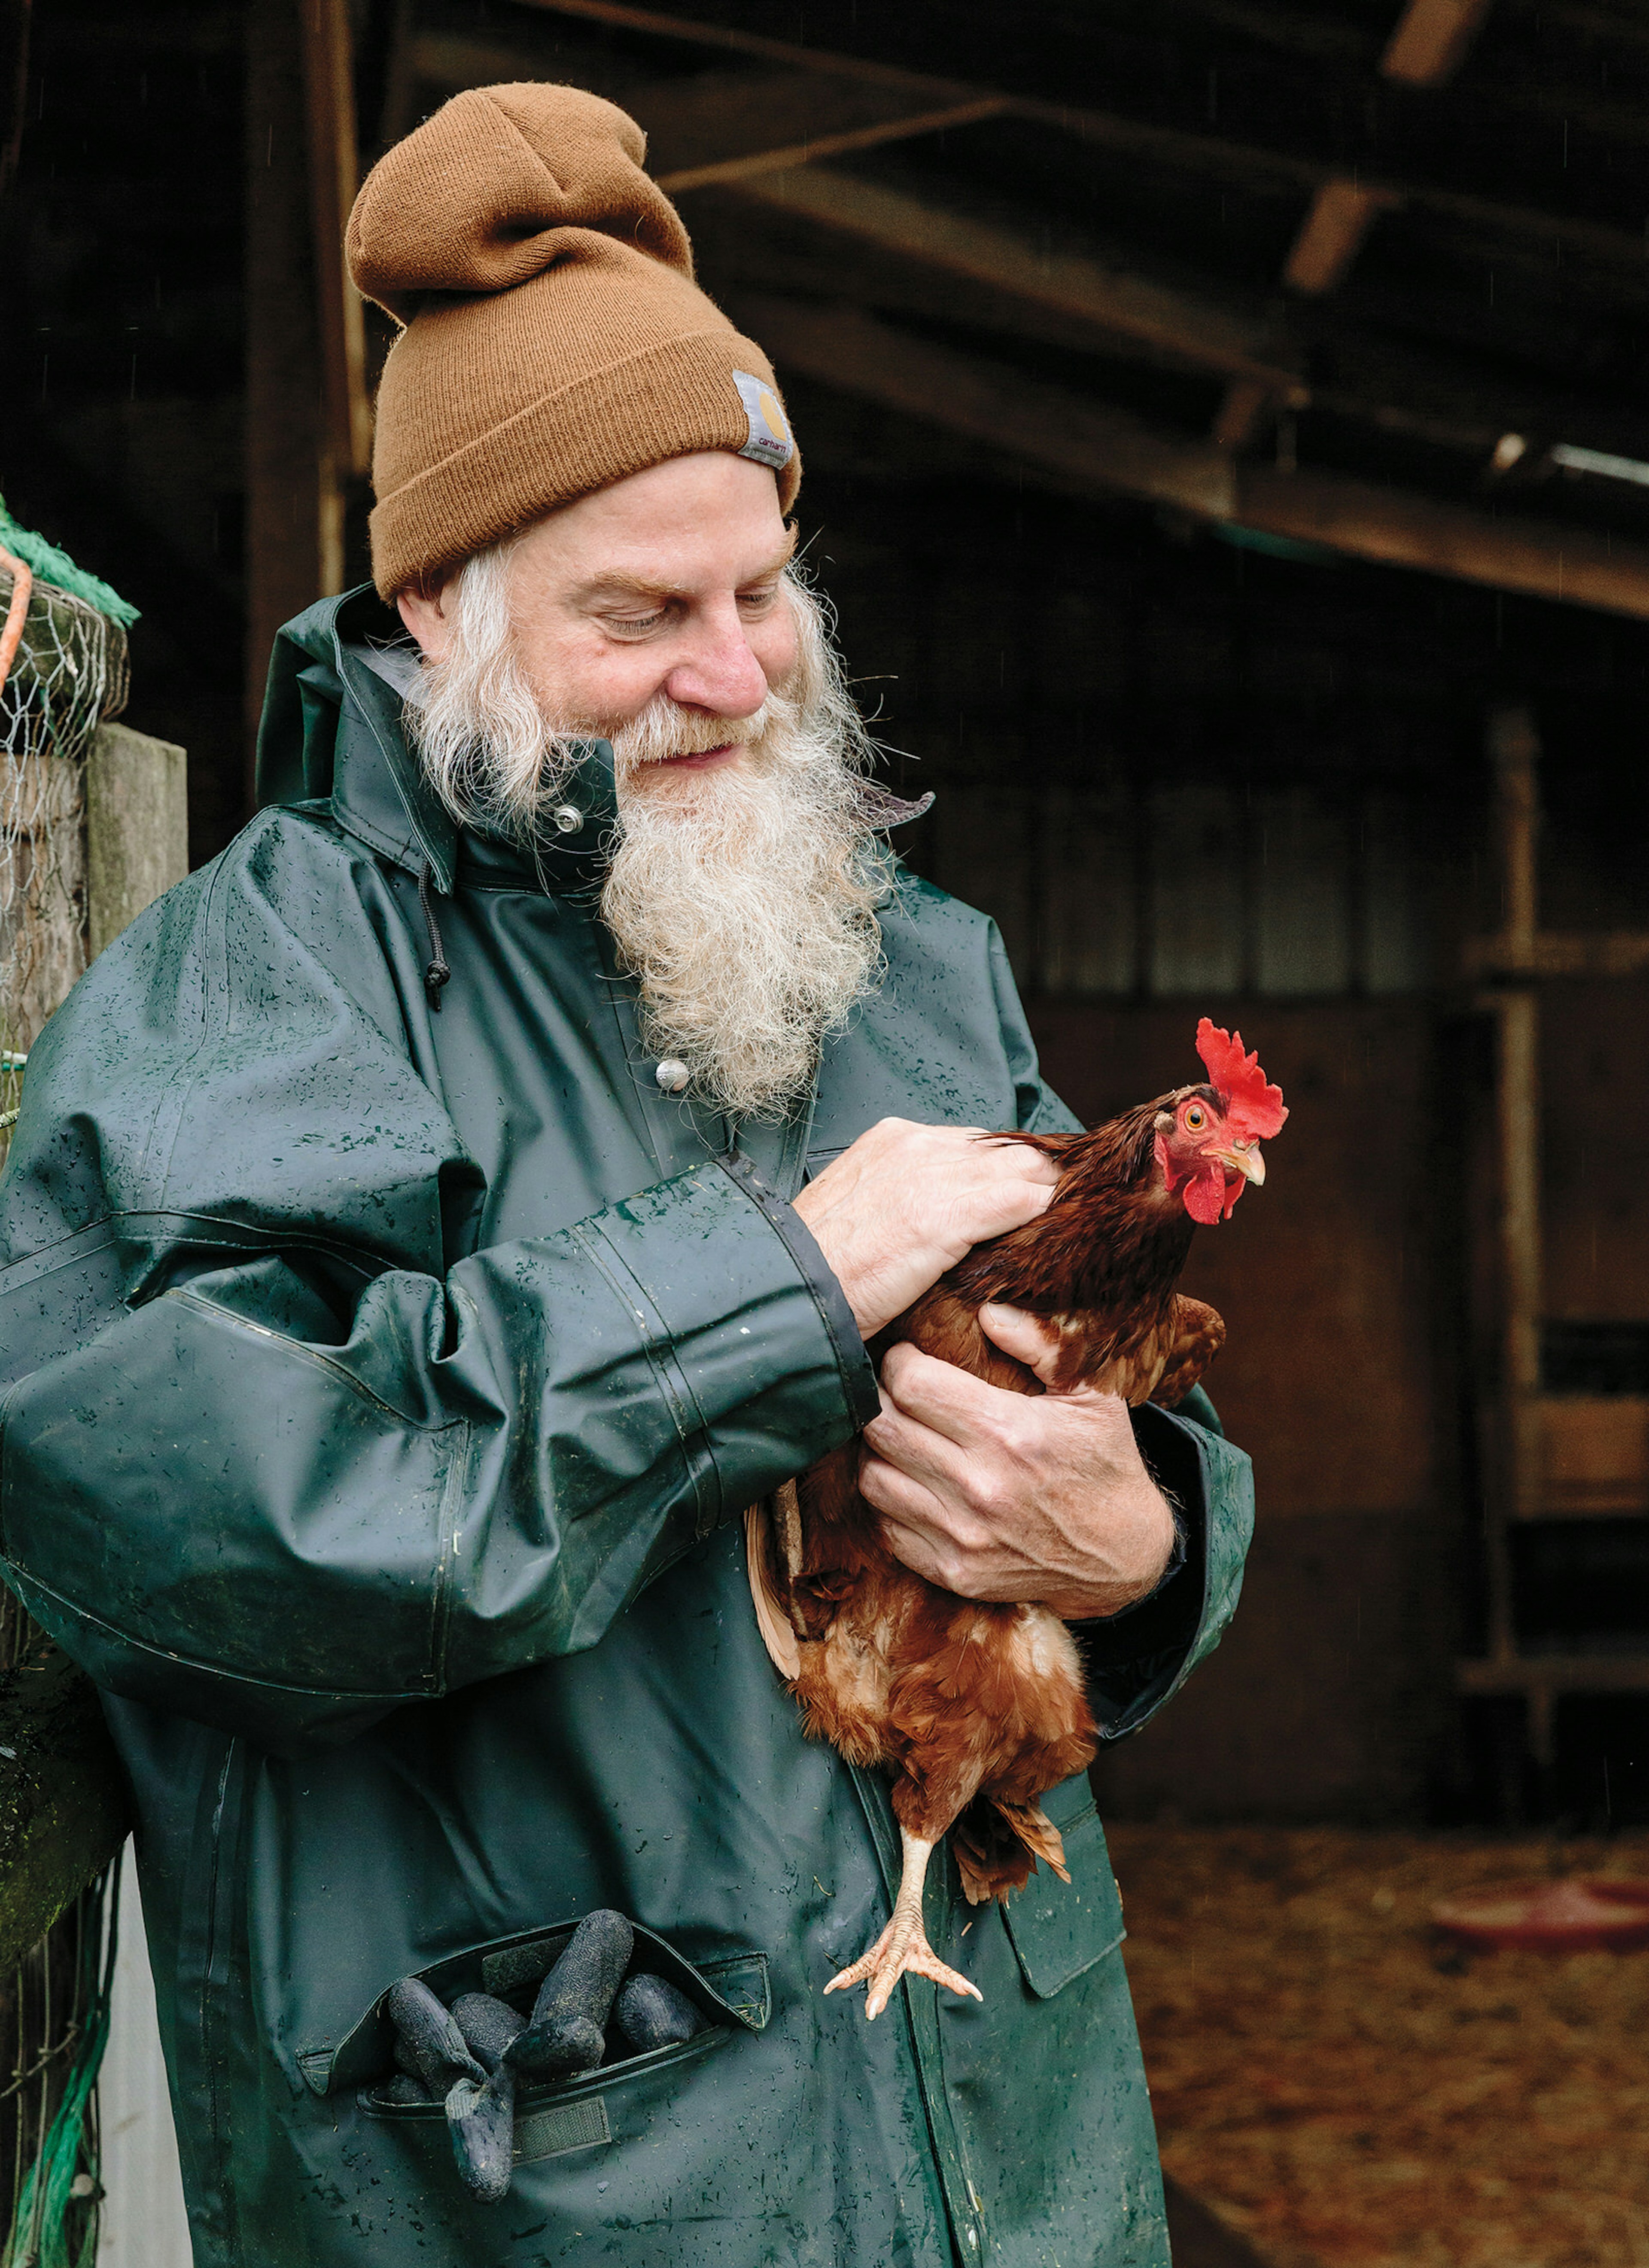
[331,732]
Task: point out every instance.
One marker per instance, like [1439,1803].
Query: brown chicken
[979,1709]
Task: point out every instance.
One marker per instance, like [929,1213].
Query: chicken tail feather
[996,1844]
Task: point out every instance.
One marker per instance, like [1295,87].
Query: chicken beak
[1244,1158]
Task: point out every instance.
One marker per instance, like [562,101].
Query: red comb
[1259,1108]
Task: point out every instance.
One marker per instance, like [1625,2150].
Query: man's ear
[422,612]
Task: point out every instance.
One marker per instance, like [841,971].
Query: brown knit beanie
[554,339]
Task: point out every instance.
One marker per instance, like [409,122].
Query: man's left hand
[997,1495]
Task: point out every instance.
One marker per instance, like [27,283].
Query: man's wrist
[1168,1564]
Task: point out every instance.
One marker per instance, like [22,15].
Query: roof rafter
[1087,448]
[1428,45]
[1114,300]
[1170,144]
[1103,300]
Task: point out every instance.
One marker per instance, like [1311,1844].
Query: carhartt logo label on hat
[769,442]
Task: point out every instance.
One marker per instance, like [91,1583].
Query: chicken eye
[1195,1118]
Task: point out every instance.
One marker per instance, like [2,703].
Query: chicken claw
[902,1949]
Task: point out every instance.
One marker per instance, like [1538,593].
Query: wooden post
[1515,750]
[138,827]
[334,178]
[294,495]
[62,1800]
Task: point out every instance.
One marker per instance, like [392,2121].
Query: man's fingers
[914,1525]
[1027,1338]
[901,1502]
[994,1207]
[1036,1163]
[952,1400]
[920,1452]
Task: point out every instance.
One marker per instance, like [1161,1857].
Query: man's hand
[905,1203]
[997,1495]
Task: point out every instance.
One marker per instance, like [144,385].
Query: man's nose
[717,669]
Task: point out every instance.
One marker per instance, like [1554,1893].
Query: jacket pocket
[732,1993]
[1058,1929]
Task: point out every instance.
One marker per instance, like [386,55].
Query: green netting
[56,568]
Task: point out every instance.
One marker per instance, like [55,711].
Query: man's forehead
[696,523]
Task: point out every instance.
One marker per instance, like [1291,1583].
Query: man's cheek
[775,647]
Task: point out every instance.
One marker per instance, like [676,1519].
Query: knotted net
[62,672]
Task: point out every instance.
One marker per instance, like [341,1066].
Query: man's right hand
[905,1203]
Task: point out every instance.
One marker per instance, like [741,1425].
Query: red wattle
[1205,1196]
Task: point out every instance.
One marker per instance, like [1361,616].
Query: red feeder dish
[1574,1917]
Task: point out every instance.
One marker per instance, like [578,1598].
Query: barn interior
[1227,452]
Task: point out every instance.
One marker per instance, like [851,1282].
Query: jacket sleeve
[265,1460]
[1139,1658]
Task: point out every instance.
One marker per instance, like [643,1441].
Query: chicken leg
[902,1949]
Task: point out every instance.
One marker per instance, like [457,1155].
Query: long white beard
[741,899]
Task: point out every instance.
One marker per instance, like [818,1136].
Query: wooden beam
[722,126]
[1090,448]
[294,511]
[1168,145]
[832,145]
[1008,258]
[1338,219]
[14,82]
[1603,954]
[1555,1673]
[1241,411]
[334,179]
[1347,55]
[873,247]
[1093,446]
[1431,40]
[1516,1449]
[1332,234]
[1337,223]
[1397,528]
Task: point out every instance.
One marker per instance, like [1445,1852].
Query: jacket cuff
[1137,1660]
[750,1337]
[853,1357]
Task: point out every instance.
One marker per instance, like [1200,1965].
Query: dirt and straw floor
[1348,2091]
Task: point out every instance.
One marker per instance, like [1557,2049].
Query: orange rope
[16,613]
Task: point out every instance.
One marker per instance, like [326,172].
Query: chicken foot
[902,1949]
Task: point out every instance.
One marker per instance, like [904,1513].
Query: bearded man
[432,1225]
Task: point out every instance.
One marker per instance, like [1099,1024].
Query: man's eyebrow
[636,587]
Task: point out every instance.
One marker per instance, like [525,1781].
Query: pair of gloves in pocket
[471,2055]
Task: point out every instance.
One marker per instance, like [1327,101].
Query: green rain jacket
[379,1394]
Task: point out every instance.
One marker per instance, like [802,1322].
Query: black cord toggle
[438,973]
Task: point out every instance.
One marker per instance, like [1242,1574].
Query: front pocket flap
[1058,1929]
[572,2115]
[731,1991]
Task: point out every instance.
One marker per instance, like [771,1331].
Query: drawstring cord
[438,973]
